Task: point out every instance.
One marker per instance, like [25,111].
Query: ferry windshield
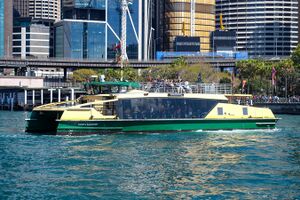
[164,108]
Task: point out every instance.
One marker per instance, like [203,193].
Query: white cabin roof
[142,94]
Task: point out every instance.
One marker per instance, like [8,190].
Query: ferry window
[114,89]
[164,108]
[245,111]
[123,89]
[220,111]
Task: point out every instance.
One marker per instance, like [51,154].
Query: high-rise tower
[33,27]
[37,9]
[267,29]
[195,18]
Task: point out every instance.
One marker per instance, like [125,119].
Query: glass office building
[91,29]
[1,28]
[265,29]
[80,40]
[5,27]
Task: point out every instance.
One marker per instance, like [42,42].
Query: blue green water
[196,165]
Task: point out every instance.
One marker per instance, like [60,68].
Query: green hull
[120,126]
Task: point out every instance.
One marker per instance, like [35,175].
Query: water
[197,165]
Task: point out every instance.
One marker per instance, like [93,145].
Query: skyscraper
[37,9]
[183,18]
[266,29]
[5,27]
[91,29]
[33,27]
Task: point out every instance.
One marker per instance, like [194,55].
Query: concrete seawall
[282,108]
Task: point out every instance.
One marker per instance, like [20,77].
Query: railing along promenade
[276,100]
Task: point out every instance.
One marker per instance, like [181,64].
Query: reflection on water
[198,165]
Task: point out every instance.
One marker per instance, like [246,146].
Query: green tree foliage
[180,70]
[258,74]
[82,75]
[129,74]
[296,57]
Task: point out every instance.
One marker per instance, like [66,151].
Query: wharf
[24,93]
[18,98]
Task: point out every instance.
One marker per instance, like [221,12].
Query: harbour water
[196,165]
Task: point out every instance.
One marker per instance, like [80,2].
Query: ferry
[120,107]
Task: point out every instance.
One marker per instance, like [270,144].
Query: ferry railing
[201,88]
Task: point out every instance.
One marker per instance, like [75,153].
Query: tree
[131,74]
[112,74]
[296,57]
[180,69]
[296,60]
[82,75]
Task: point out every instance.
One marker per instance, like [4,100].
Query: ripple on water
[197,165]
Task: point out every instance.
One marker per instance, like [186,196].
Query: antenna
[221,22]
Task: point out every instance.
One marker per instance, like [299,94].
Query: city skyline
[264,29]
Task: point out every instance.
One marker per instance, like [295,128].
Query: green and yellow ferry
[118,107]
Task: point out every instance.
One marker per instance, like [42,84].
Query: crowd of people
[275,99]
[167,85]
[181,86]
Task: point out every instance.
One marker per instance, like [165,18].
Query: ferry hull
[124,126]
[43,122]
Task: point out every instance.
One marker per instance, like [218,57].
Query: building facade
[194,18]
[33,33]
[6,21]
[265,29]
[223,41]
[38,9]
[31,39]
[91,29]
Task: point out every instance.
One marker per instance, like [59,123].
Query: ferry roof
[114,83]
[142,94]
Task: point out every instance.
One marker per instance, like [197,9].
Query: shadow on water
[195,165]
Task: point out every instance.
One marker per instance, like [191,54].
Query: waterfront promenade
[20,96]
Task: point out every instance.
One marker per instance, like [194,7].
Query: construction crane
[124,58]
[124,8]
